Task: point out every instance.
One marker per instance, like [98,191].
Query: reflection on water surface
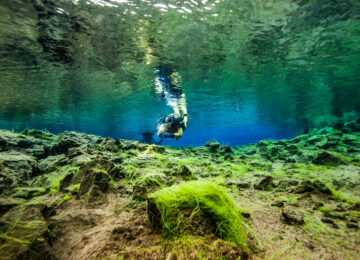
[249,69]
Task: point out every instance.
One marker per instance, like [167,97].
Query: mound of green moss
[165,207]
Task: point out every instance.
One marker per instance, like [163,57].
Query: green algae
[199,195]
[66,197]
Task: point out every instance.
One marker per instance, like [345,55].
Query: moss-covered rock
[23,234]
[213,146]
[329,158]
[166,210]
[265,183]
[292,217]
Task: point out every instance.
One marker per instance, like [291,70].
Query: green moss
[340,196]
[131,172]
[76,187]
[152,179]
[323,209]
[56,179]
[205,196]
[314,227]
[66,197]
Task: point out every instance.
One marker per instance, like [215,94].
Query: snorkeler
[168,84]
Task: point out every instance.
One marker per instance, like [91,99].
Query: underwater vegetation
[197,196]
[84,196]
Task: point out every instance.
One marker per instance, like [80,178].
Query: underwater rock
[308,186]
[330,221]
[38,134]
[74,152]
[131,146]
[265,183]
[292,217]
[330,159]
[352,225]
[111,145]
[279,204]
[238,184]
[315,139]
[157,148]
[66,181]
[263,143]
[284,184]
[26,232]
[251,151]
[154,213]
[228,157]
[139,192]
[334,215]
[213,146]
[28,193]
[292,149]
[225,149]
[183,171]
[9,140]
[351,140]
[51,163]
[63,146]
[356,206]
[353,126]
[94,184]
[8,203]
[332,141]
[15,168]
[243,185]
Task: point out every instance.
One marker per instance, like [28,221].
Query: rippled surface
[250,69]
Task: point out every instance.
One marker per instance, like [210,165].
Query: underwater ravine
[200,129]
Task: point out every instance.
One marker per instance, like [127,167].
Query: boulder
[183,171]
[75,152]
[10,140]
[330,222]
[93,185]
[8,203]
[292,217]
[292,149]
[225,149]
[356,206]
[26,234]
[330,159]
[17,165]
[51,163]
[131,146]
[352,140]
[315,139]
[309,186]
[265,183]
[157,148]
[213,146]
[38,134]
[66,181]
[111,145]
[139,192]
[63,146]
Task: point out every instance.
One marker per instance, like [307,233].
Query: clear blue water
[249,70]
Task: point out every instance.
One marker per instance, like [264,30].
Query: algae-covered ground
[79,196]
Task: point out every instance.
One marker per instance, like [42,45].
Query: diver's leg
[183,108]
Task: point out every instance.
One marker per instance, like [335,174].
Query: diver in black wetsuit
[168,84]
